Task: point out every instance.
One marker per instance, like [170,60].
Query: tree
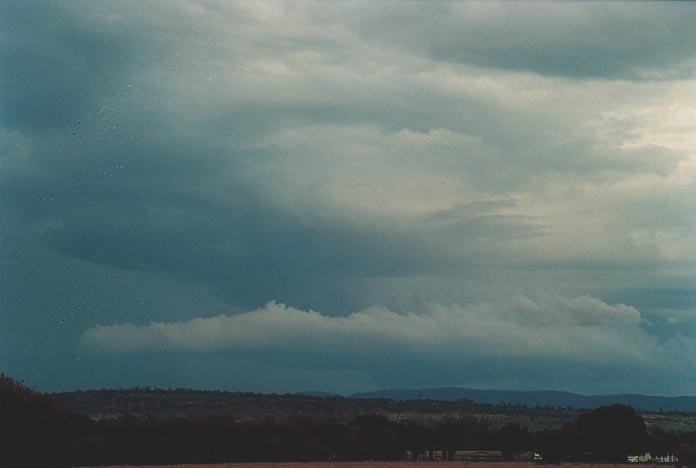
[686,456]
[611,432]
[34,432]
[514,439]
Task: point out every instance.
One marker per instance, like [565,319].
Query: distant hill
[182,403]
[535,410]
[314,393]
[537,398]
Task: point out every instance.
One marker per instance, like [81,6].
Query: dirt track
[380,465]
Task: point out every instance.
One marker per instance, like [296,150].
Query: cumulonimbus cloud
[220,155]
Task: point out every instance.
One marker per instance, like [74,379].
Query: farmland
[105,404]
[373,465]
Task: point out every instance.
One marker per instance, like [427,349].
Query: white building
[647,458]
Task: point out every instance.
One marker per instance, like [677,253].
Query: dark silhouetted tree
[513,440]
[34,432]
[611,432]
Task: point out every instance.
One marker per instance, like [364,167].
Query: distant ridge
[537,398]
[314,393]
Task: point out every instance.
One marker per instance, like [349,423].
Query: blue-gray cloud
[578,40]
[166,161]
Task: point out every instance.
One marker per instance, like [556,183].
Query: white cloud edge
[581,329]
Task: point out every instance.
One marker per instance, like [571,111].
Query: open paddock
[384,465]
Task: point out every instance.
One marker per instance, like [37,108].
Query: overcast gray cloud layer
[472,194]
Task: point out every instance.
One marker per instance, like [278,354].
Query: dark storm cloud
[56,68]
[121,186]
[575,40]
[170,162]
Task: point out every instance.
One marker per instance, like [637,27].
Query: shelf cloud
[547,332]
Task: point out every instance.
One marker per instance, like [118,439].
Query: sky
[291,196]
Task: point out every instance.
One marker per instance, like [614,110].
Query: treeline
[35,432]
[185,402]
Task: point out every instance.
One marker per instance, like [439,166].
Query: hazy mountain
[314,393]
[537,398]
